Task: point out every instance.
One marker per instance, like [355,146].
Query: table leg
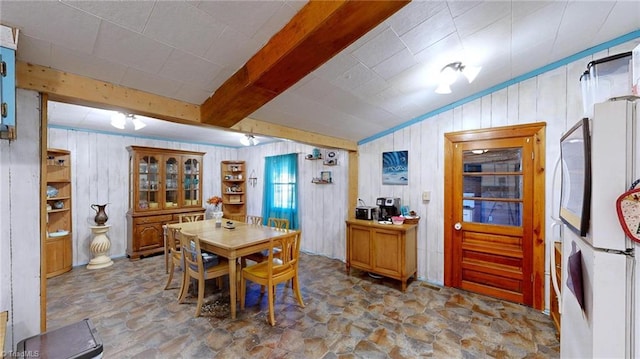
[166,249]
[232,286]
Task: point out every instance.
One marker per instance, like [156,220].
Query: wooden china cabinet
[163,184]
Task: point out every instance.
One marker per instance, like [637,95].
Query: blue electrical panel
[8,92]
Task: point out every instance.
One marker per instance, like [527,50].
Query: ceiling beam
[80,90]
[320,30]
[253,126]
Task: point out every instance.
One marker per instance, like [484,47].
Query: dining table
[232,240]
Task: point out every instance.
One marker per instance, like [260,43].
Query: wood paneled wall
[20,223]
[323,207]
[553,97]
[100,169]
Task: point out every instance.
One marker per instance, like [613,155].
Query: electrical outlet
[426,196]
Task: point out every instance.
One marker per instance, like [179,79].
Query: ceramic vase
[101,216]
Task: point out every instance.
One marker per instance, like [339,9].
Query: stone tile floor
[345,317]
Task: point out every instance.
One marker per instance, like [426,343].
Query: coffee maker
[388,207]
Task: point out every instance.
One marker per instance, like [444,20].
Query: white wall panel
[472,115]
[499,104]
[20,219]
[323,207]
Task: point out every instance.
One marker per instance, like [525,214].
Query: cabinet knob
[457,226]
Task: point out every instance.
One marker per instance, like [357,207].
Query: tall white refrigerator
[604,326]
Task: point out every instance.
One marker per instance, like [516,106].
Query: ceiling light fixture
[119,121]
[249,140]
[449,75]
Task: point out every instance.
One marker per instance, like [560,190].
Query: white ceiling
[186,49]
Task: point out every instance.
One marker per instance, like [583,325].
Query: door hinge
[4,110]
[3,68]
[531,277]
[533,156]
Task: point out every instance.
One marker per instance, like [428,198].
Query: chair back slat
[191,217]
[255,220]
[192,254]
[278,223]
[173,240]
[286,263]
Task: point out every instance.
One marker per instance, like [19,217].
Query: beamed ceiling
[329,73]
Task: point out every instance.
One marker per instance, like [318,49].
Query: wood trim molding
[352,191]
[319,31]
[529,129]
[44,140]
[250,125]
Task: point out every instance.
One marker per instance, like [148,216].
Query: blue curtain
[280,199]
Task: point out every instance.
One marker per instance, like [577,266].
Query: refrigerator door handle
[555,281]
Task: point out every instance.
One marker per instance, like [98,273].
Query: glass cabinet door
[191,172]
[171,182]
[148,178]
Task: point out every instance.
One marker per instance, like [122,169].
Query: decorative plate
[58,233]
[331,154]
[628,207]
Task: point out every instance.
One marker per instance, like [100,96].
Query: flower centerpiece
[214,208]
[216,203]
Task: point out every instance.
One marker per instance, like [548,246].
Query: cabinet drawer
[152,219]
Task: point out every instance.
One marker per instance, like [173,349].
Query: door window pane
[493,186]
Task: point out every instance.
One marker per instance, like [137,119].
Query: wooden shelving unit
[233,188]
[58,232]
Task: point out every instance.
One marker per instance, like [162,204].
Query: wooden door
[388,252]
[494,213]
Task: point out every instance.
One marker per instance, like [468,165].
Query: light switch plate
[426,196]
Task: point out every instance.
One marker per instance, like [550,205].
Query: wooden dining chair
[274,271]
[175,255]
[191,217]
[200,266]
[279,223]
[255,220]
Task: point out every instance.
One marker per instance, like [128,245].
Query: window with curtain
[280,198]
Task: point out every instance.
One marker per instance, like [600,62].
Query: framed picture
[575,195]
[325,176]
[395,167]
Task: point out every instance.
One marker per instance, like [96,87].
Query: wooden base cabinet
[388,250]
[163,184]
